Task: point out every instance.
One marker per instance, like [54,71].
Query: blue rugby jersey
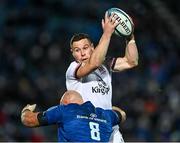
[82,123]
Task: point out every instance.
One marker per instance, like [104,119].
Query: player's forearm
[132,53]
[29,119]
[100,51]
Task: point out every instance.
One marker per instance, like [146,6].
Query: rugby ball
[126,25]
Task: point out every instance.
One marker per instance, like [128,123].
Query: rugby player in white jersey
[90,73]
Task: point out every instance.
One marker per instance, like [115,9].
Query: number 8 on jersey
[95,134]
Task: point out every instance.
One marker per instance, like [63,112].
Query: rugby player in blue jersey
[77,121]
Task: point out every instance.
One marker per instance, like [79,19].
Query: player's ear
[92,46]
[72,53]
[64,102]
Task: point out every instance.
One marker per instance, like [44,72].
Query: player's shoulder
[109,62]
[107,112]
[77,106]
[88,104]
[74,63]
[53,108]
[72,66]
[74,107]
[110,111]
[71,106]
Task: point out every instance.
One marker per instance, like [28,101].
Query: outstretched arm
[34,119]
[130,59]
[108,25]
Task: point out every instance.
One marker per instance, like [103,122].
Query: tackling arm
[120,112]
[33,119]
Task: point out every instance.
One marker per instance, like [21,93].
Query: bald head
[71,96]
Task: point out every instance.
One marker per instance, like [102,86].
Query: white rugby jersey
[95,87]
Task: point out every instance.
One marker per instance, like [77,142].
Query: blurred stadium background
[34,55]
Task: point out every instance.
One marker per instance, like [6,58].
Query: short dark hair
[79,36]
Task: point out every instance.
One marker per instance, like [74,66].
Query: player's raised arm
[108,24]
[130,59]
[98,54]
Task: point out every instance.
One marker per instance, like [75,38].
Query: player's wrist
[25,111]
[107,34]
[29,108]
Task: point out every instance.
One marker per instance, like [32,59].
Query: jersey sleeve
[110,63]
[115,118]
[72,82]
[71,72]
[52,116]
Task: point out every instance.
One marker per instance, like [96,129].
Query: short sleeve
[115,118]
[72,82]
[54,114]
[72,70]
[110,63]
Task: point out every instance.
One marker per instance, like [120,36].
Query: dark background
[34,56]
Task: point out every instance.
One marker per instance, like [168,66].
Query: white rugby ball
[126,25]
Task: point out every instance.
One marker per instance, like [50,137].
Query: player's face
[82,50]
